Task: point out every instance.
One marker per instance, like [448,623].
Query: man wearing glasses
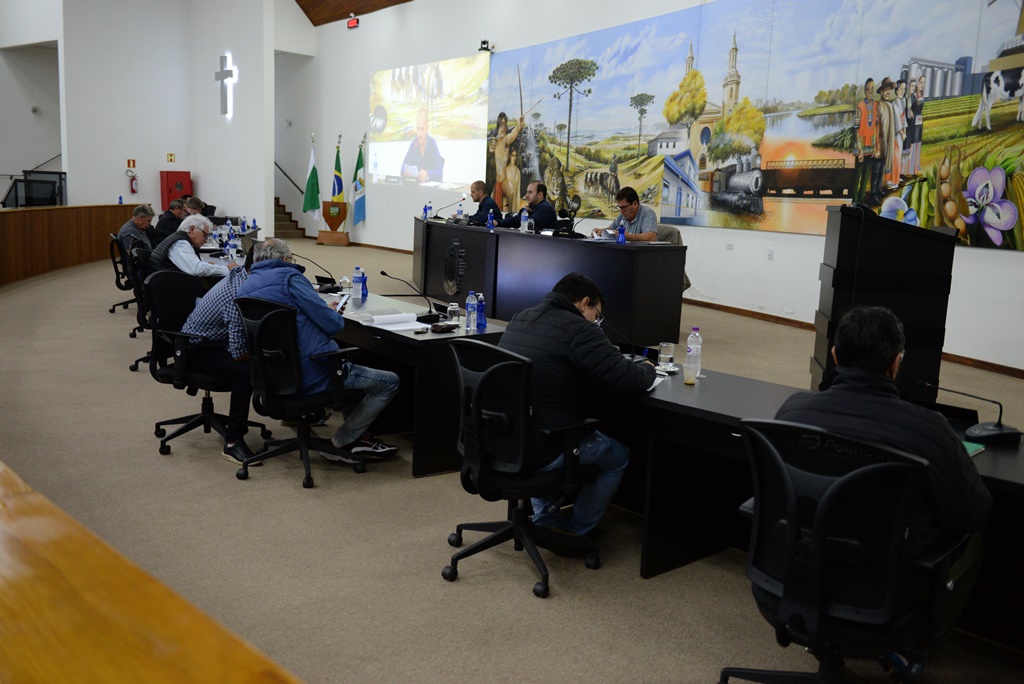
[181,250]
[573,360]
[641,221]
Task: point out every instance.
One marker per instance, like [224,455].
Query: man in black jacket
[538,207]
[169,221]
[572,357]
[863,403]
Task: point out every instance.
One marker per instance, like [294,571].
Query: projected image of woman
[423,161]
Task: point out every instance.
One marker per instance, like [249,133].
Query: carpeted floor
[342,583]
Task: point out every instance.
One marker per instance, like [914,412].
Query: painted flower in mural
[896,208]
[985,203]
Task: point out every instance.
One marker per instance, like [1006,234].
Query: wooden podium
[334,215]
[880,262]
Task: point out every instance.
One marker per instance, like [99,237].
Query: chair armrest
[181,341]
[335,361]
[950,570]
[571,434]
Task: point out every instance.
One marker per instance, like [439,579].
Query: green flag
[311,199]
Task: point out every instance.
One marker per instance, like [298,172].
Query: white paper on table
[398,321]
[657,381]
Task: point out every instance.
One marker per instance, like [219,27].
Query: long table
[642,282]
[428,403]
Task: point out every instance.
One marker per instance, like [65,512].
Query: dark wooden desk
[642,283]
[428,403]
[689,494]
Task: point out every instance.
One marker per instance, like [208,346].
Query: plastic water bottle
[376,178]
[458,212]
[524,220]
[430,209]
[481,318]
[231,232]
[254,227]
[365,290]
[425,212]
[693,349]
[120,199]
[621,239]
[357,283]
[490,220]
[471,312]
[243,228]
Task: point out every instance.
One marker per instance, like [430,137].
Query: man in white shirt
[181,250]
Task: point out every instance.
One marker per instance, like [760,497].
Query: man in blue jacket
[276,276]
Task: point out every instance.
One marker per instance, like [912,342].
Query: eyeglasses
[622,207]
[600,317]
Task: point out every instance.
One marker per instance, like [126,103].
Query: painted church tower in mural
[731,82]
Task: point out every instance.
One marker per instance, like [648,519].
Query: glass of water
[666,355]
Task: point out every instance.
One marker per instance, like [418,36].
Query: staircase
[285,227]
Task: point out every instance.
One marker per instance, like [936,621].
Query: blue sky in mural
[810,46]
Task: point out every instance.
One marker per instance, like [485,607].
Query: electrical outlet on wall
[730,244]
[771,253]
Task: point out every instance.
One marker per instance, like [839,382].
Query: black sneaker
[238,452]
[373,449]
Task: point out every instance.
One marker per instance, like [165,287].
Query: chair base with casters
[303,442]
[119,259]
[207,419]
[526,536]
[123,305]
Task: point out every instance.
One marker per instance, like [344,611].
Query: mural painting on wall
[751,115]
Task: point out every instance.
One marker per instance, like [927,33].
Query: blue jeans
[611,458]
[380,388]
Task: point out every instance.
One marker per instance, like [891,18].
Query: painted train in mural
[924,124]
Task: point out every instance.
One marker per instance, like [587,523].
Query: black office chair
[827,552]
[122,276]
[494,442]
[272,339]
[139,267]
[171,297]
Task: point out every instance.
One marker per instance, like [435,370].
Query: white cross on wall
[228,76]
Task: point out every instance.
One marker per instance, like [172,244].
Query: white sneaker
[372,448]
[339,458]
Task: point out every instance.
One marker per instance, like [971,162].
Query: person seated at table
[169,221]
[478,192]
[538,208]
[181,251]
[863,403]
[572,359]
[641,221]
[135,229]
[423,162]
[194,205]
[276,276]
[223,354]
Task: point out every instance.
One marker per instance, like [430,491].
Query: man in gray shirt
[135,228]
[641,221]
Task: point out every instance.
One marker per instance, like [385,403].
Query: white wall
[125,97]
[292,30]
[29,78]
[233,159]
[26,22]
[987,298]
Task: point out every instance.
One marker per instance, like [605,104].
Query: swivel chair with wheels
[271,336]
[171,296]
[494,440]
[138,265]
[122,276]
[827,554]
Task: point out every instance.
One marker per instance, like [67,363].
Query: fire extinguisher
[133,181]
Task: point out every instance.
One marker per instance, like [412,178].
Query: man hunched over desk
[572,357]
[275,276]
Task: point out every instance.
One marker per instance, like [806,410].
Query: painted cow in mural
[998,86]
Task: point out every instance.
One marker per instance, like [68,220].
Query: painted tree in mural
[736,134]
[569,75]
[685,105]
[536,120]
[560,128]
[639,102]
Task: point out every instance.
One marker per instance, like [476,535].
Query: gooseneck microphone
[637,358]
[879,193]
[326,286]
[437,214]
[430,316]
[984,433]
